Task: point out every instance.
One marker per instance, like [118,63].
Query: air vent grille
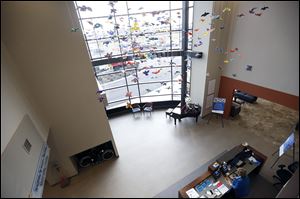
[27,146]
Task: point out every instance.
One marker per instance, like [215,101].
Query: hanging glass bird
[128,105]
[135,26]
[84,8]
[98,25]
[128,94]
[74,29]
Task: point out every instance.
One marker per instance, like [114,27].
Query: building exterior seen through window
[135,48]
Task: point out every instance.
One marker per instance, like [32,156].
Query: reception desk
[206,185]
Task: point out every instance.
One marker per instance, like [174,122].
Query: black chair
[283,175]
[235,109]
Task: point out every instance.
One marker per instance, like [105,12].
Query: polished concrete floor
[154,154]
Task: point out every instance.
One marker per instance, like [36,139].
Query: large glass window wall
[135,48]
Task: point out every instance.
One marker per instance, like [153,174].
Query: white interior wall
[199,66]
[270,43]
[215,63]
[208,67]
[15,101]
[18,167]
[58,71]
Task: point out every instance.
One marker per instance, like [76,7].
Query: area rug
[270,121]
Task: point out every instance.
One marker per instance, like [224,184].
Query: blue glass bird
[146,72]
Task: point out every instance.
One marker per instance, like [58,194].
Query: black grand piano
[188,110]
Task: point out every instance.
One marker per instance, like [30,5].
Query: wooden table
[251,169]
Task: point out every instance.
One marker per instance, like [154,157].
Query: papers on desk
[217,192]
[222,188]
[210,194]
[253,160]
[213,193]
[192,193]
[216,183]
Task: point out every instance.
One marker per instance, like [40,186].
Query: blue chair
[148,107]
[136,108]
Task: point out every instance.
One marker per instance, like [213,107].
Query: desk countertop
[172,191]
